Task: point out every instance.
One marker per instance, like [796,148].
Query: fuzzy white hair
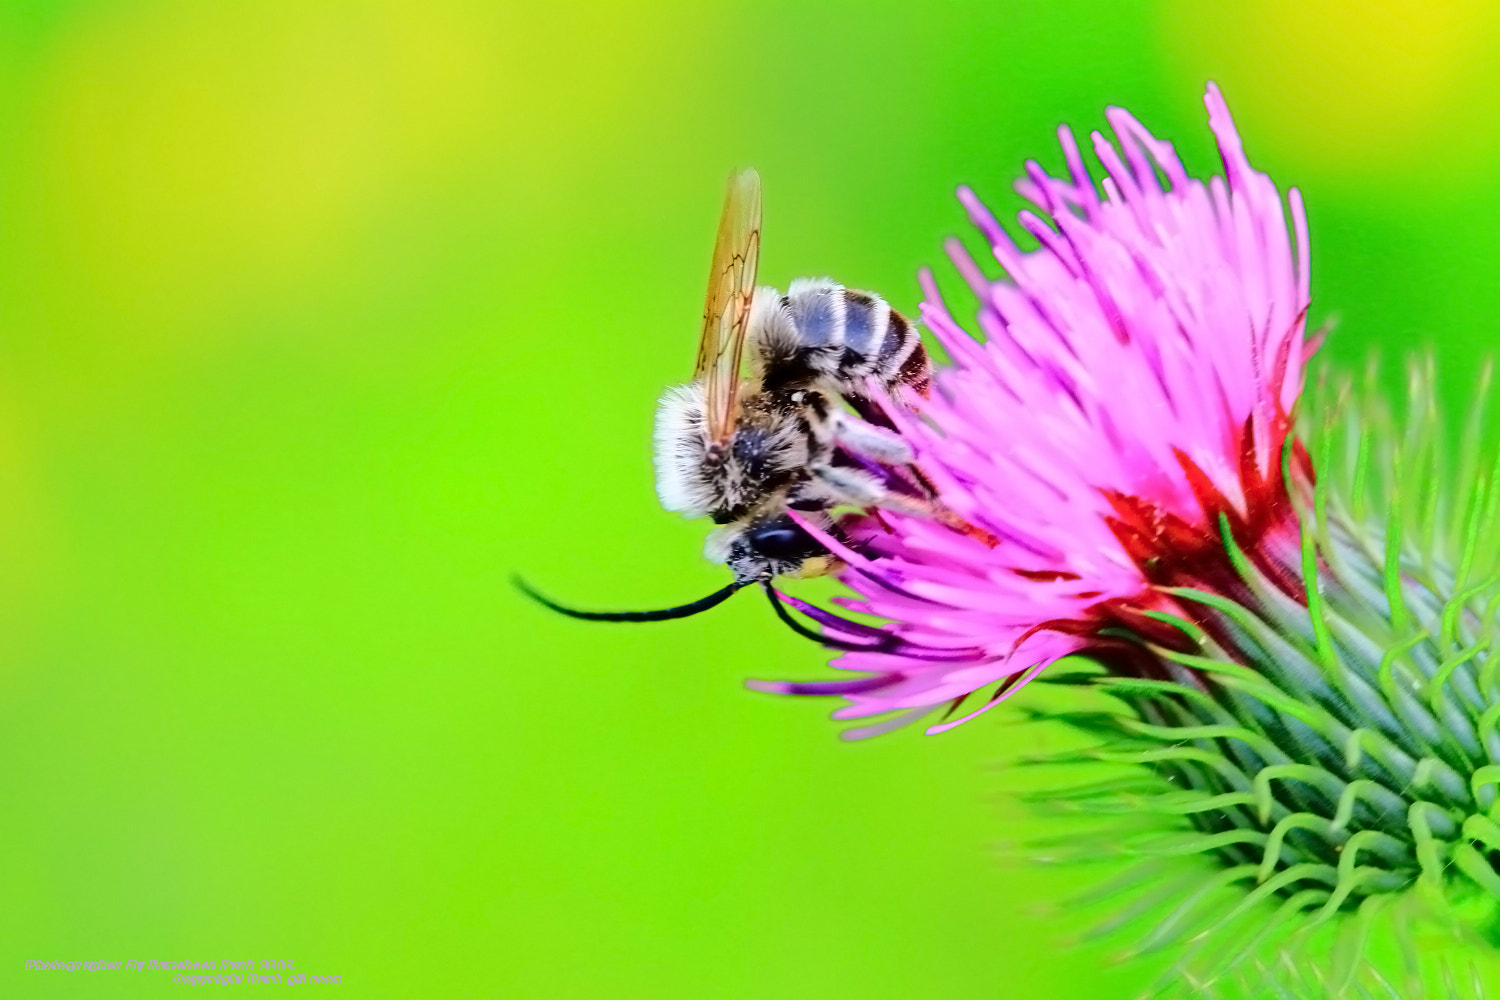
[678,453]
[773,334]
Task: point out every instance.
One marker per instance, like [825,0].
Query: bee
[759,430]
[762,429]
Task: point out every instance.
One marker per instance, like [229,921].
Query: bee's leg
[905,504]
[839,485]
[935,510]
[868,440]
[832,485]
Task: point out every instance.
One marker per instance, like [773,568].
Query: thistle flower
[1291,600]
[1133,388]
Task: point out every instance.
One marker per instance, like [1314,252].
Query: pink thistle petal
[1133,388]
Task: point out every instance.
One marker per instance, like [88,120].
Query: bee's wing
[726,313]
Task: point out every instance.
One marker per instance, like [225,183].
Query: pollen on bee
[818,566]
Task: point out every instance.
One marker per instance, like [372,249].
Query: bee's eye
[783,540]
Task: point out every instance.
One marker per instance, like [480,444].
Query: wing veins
[726,310]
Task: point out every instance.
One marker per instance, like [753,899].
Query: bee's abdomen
[822,330]
[904,359]
[867,331]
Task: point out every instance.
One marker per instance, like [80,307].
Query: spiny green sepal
[1335,753]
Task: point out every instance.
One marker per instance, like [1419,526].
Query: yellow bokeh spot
[196,150]
[1358,87]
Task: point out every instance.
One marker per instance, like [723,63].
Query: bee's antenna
[665,614]
[819,637]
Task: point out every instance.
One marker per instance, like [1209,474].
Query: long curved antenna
[665,614]
[822,638]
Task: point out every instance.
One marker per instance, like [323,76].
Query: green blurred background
[319,319]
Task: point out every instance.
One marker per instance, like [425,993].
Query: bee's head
[762,548]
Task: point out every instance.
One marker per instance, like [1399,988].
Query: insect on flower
[1123,467]
[1291,601]
[1134,388]
[787,411]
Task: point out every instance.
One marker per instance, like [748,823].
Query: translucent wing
[726,313]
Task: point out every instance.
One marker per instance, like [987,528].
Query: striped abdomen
[820,330]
